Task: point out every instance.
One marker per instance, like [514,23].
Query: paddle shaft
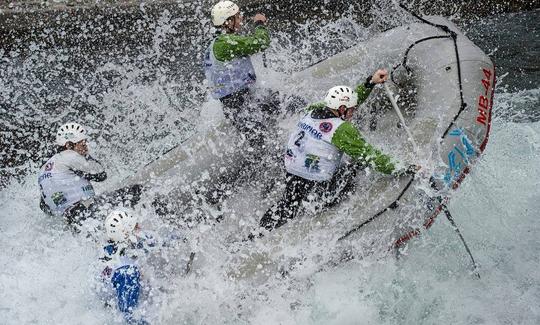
[456,229]
[189,264]
[401,119]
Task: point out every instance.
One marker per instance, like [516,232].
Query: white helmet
[341,95]
[222,10]
[119,225]
[70,132]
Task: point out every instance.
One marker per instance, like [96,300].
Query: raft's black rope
[463,104]
[453,36]
[405,57]
[391,206]
[189,264]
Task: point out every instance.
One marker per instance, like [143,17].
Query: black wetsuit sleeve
[44,207]
[99,177]
[90,170]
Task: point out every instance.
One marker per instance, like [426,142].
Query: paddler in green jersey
[316,147]
[230,73]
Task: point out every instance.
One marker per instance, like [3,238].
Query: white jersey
[116,257]
[225,78]
[120,255]
[310,152]
[60,185]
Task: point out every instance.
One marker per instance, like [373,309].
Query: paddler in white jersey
[65,179]
[315,149]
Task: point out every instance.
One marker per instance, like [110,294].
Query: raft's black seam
[391,206]
[453,36]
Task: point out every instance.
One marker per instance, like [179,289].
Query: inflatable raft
[444,85]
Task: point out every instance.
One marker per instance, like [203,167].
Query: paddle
[401,119]
[189,264]
[456,229]
[444,207]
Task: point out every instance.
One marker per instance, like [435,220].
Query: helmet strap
[69,145]
[231,21]
[342,111]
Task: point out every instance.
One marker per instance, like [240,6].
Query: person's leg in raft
[269,105]
[242,110]
[341,186]
[234,106]
[78,213]
[294,104]
[296,192]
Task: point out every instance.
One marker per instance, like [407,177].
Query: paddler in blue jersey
[121,275]
[123,284]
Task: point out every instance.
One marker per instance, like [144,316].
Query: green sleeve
[348,139]
[363,93]
[230,46]
[314,106]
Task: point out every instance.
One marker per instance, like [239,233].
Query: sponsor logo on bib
[325,127]
[87,188]
[49,166]
[58,198]
[312,163]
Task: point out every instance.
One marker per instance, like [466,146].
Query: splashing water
[141,108]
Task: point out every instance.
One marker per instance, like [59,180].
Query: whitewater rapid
[47,274]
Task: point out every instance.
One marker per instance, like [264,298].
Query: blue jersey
[123,274]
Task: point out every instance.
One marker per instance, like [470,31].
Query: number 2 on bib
[298,142]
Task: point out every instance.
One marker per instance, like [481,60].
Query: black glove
[410,170]
[368,84]
[99,177]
